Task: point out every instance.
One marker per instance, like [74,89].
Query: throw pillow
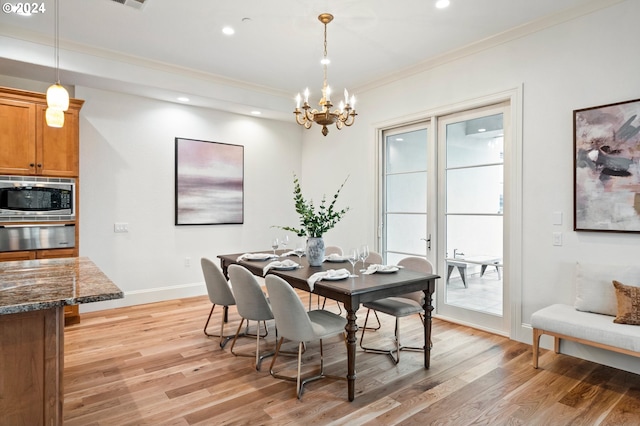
[594,292]
[628,304]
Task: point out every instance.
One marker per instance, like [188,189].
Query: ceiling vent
[136,4]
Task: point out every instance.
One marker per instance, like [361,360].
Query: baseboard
[151,295]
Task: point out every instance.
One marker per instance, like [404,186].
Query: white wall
[585,62]
[127,175]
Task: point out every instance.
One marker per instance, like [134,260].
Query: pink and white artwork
[607,172]
[209,183]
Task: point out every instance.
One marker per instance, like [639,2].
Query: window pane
[408,229]
[407,193]
[407,152]
[468,147]
[474,235]
[475,190]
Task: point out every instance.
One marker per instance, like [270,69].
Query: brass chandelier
[345,115]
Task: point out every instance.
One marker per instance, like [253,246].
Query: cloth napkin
[255,255]
[279,264]
[324,274]
[334,256]
[372,269]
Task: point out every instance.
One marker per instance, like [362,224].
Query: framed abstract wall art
[607,172]
[209,183]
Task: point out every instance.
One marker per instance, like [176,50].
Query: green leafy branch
[315,223]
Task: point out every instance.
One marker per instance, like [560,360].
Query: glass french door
[405,188]
[471,208]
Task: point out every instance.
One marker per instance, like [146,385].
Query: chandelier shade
[344,115]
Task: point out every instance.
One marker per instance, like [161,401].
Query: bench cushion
[594,286]
[565,319]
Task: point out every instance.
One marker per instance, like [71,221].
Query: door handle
[428,241]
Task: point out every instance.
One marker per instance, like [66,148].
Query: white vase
[315,251]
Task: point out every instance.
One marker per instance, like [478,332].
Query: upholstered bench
[604,315]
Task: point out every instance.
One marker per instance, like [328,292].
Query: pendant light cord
[56,46]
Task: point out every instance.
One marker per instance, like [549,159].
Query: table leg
[428,309]
[351,328]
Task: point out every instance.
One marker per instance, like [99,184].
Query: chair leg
[300,382]
[398,346]
[259,357]
[223,339]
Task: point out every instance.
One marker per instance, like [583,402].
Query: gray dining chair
[220,293]
[398,307]
[252,305]
[332,250]
[375,258]
[294,323]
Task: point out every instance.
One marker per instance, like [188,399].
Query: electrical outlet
[120,227]
[557,238]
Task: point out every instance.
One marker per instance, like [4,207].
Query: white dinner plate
[336,277]
[285,268]
[388,270]
[336,259]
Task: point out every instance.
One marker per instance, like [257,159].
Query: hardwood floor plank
[152,365]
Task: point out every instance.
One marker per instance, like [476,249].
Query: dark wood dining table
[351,292]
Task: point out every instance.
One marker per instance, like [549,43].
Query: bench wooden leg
[556,344]
[536,345]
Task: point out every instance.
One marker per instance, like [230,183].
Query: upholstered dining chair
[374,257]
[220,293]
[252,305]
[296,324]
[399,306]
[332,250]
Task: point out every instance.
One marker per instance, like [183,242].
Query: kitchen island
[33,294]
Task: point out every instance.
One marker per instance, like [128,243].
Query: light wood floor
[152,364]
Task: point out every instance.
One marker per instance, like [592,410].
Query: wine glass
[363,254]
[283,242]
[299,250]
[352,257]
[274,245]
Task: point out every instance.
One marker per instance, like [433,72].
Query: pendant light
[57,95]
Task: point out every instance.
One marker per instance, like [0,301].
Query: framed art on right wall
[607,173]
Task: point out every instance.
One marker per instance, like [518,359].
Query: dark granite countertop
[32,285]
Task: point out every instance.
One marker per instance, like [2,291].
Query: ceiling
[170,48]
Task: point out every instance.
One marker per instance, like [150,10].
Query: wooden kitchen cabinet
[29,146]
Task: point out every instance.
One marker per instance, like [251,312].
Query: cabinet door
[57,148]
[17,137]
[56,253]
[17,255]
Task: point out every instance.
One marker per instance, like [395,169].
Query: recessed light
[441,4]
[183,99]
[399,139]
[256,113]
[228,31]
[482,130]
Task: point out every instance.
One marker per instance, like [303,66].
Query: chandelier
[345,115]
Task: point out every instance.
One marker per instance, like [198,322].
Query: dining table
[352,292]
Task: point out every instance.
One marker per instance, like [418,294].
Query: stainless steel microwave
[34,199]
